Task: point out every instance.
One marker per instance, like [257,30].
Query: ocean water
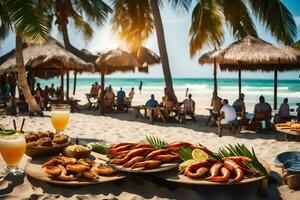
[200,87]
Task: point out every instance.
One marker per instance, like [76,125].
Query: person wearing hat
[239,104]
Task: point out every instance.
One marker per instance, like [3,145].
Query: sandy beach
[124,127]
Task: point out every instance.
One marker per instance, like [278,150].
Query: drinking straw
[15,126]
[22,125]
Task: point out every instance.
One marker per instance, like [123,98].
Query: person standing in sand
[216,103]
[140,87]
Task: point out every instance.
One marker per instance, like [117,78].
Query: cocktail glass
[12,148]
[60,115]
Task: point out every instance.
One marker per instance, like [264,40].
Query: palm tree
[28,23]
[209,16]
[81,13]
[134,21]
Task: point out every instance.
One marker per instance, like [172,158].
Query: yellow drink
[12,149]
[60,119]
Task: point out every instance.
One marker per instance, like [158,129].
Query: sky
[176,27]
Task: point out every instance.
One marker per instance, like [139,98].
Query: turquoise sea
[228,88]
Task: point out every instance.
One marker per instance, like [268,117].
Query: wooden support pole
[68,84]
[62,84]
[75,81]
[240,82]
[215,77]
[275,89]
[102,89]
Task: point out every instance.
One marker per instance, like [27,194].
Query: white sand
[124,127]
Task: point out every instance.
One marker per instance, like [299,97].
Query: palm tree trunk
[161,43]
[32,105]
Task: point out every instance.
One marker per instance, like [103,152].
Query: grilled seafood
[63,175]
[149,164]
[60,139]
[167,158]
[52,170]
[102,169]
[178,144]
[134,160]
[225,176]
[44,141]
[76,168]
[131,154]
[238,159]
[120,144]
[121,148]
[232,166]
[89,174]
[214,170]
[156,153]
[67,169]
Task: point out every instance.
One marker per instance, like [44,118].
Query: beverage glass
[60,115]
[12,148]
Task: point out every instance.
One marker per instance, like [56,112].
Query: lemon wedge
[199,155]
[186,163]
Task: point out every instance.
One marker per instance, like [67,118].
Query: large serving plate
[162,168]
[174,176]
[34,169]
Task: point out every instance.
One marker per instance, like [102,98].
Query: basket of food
[45,143]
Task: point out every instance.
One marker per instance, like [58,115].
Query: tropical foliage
[210,16]
[28,23]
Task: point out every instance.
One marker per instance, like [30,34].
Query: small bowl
[286,156]
[77,155]
[292,166]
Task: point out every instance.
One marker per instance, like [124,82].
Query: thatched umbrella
[49,55]
[147,57]
[253,54]
[115,61]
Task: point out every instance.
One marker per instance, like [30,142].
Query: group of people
[110,98]
[170,102]
[262,110]
[42,97]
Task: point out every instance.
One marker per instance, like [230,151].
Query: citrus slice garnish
[186,163]
[199,155]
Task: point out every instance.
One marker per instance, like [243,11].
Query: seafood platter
[193,164]
[55,160]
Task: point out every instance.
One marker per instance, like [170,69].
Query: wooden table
[287,131]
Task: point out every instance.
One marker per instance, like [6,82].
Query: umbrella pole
[102,90]
[68,84]
[75,80]
[62,85]
[275,90]
[240,83]
[215,77]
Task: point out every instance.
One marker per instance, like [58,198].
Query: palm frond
[156,142]
[241,150]
[185,153]
[180,4]
[27,20]
[4,14]
[83,27]
[132,21]
[238,18]
[277,18]
[206,26]
[95,10]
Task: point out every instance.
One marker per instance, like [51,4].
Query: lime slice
[199,155]
[186,163]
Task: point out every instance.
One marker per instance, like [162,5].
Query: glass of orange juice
[12,148]
[60,115]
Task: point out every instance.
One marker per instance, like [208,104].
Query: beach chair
[258,118]
[212,115]
[234,127]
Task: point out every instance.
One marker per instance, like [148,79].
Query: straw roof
[147,57]
[252,54]
[117,61]
[49,54]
